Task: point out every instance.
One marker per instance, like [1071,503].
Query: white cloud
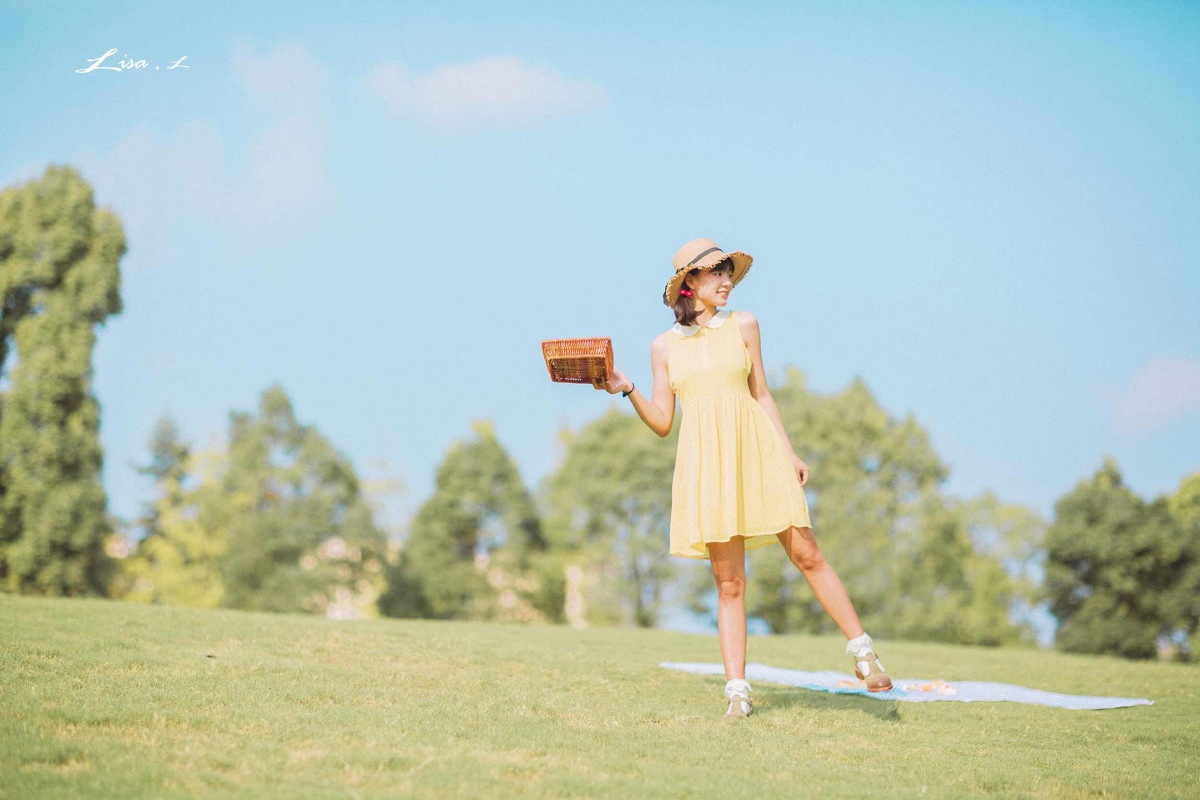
[1165,390]
[149,175]
[496,90]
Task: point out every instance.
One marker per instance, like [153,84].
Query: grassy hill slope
[105,699]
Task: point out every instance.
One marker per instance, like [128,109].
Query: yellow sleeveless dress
[733,472]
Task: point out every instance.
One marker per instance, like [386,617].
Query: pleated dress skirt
[733,473]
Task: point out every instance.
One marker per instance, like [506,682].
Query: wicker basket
[578,360]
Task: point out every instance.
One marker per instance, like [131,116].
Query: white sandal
[737,692]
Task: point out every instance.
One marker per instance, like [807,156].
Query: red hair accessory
[685,292]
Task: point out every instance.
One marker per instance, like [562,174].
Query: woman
[738,483]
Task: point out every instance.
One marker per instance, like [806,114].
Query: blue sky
[989,212]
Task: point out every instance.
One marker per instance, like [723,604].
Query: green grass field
[112,700]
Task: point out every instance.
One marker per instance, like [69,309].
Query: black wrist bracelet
[632,386]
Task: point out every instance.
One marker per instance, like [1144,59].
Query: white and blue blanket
[916,690]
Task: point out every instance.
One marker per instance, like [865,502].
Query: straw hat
[702,254]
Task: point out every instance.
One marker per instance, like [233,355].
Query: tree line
[277,518]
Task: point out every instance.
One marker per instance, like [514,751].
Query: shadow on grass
[781,697]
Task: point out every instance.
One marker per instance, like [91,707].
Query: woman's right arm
[658,411]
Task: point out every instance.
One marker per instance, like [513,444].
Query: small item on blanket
[937,687]
[916,690]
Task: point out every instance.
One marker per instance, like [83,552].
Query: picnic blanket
[916,690]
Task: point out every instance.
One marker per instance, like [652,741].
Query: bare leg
[729,569]
[801,547]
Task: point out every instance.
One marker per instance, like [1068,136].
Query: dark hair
[684,313]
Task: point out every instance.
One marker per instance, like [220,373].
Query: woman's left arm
[758,387]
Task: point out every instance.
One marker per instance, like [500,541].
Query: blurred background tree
[178,558]
[911,559]
[275,523]
[1182,610]
[1122,573]
[944,587]
[475,549]
[608,509]
[59,279]
[300,535]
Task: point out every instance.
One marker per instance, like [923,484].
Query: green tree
[59,279]
[179,559]
[475,549]
[1014,537]
[869,473]
[1182,609]
[944,588]
[609,514]
[168,468]
[913,561]
[1116,568]
[303,538]
[1185,502]
[275,523]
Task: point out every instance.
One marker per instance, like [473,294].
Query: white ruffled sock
[860,646]
[737,686]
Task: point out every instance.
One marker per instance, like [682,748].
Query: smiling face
[712,286]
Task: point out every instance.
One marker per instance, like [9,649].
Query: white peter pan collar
[717,321]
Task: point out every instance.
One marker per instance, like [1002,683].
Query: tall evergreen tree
[59,279]
[475,549]
[167,468]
